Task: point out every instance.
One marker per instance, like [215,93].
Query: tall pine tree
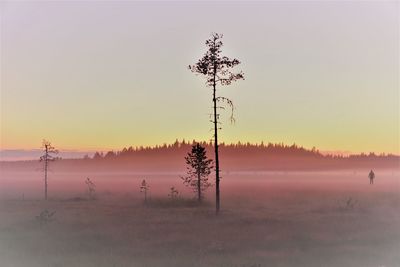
[217,70]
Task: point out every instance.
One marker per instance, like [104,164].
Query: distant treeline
[234,157]
[247,156]
[182,147]
[238,148]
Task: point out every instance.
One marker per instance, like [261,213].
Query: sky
[106,75]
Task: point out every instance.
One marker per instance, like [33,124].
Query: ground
[273,219]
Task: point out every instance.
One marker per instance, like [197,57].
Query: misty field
[267,219]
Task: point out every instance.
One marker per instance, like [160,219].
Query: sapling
[91,188]
[48,155]
[198,169]
[144,188]
[173,194]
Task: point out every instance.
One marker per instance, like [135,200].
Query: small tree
[198,170]
[217,69]
[91,188]
[144,187]
[173,194]
[49,155]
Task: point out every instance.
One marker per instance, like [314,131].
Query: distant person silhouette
[371,176]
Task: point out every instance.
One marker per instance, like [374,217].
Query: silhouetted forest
[247,156]
[235,157]
[234,149]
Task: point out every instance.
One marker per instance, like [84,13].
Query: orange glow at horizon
[95,84]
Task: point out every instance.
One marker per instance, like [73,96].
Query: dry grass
[288,227]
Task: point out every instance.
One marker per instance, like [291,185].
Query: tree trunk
[198,186]
[217,195]
[45,175]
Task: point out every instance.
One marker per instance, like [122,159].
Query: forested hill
[233,157]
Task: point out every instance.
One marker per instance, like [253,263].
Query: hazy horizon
[33,154]
[10,155]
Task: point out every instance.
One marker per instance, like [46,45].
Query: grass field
[267,219]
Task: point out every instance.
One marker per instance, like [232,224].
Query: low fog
[266,219]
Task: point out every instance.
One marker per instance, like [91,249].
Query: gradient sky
[103,75]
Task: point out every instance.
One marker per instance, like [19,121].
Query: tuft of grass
[348,205]
[45,217]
